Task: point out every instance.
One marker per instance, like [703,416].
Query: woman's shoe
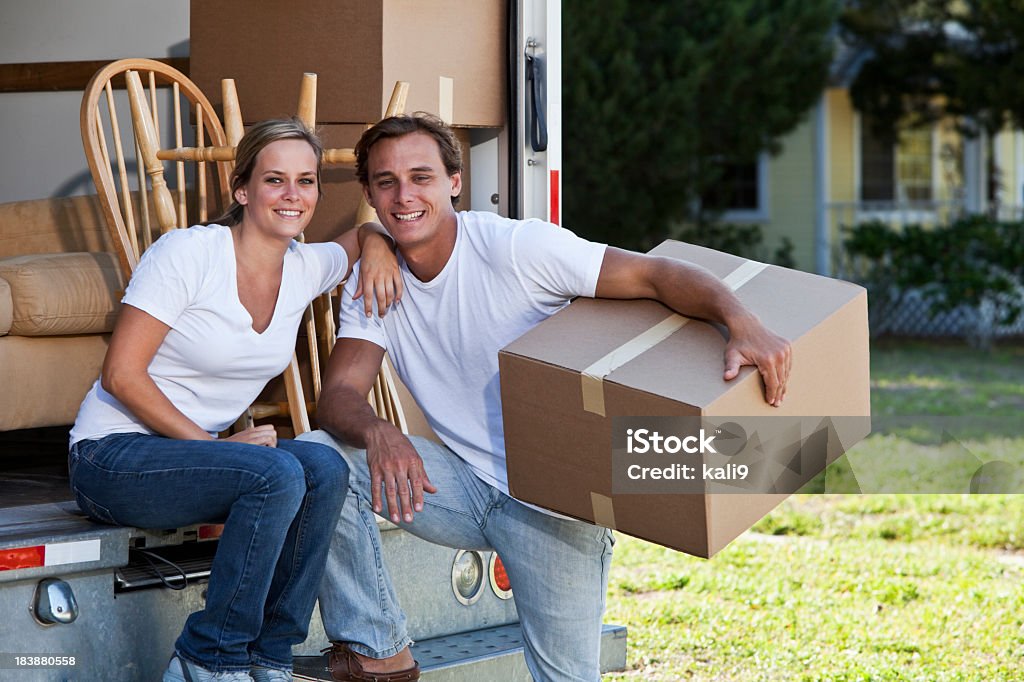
[260,673]
[180,670]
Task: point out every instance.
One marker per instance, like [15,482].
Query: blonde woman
[211,315]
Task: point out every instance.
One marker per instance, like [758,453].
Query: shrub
[975,263]
[740,240]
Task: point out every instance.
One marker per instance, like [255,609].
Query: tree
[659,97]
[934,59]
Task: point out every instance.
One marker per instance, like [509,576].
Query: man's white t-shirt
[443,337]
[212,364]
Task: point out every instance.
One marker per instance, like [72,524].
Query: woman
[210,315]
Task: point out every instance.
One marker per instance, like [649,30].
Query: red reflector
[22,557]
[211,531]
[555,208]
[500,576]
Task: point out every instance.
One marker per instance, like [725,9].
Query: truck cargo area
[134,587]
[34,467]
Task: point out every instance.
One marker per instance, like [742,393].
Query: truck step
[486,654]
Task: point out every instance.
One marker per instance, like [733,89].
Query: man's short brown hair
[406,124]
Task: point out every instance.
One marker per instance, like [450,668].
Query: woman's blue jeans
[278,505]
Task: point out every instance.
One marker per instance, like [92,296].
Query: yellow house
[834,171]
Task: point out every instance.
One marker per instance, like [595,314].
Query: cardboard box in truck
[358,49]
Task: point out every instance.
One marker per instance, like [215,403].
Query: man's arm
[344,412]
[693,291]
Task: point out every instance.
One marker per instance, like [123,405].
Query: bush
[740,240]
[974,262]
[660,97]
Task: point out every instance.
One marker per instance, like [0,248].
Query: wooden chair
[139,207]
[321,324]
[113,154]
[139,197]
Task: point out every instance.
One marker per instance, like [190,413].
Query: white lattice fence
[911,316]
[909,313]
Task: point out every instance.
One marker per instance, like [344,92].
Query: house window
[740,193]
[896,171]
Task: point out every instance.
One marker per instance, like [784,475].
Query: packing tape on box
[604,511]
[592,378]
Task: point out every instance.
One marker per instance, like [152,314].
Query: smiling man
[473,283]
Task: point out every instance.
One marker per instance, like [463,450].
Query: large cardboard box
[336,211]
[358,49]
[574,386]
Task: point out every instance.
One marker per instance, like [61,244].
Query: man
[474,282]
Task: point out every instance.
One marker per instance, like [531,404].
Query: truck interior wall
[40,136]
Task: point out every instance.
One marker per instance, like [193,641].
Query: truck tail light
[210,531]
[500,584]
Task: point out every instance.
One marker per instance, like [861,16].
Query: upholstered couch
[60,288]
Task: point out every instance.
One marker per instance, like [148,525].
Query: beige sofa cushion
[6,307]
[64,293]
[56,225]
[45,379]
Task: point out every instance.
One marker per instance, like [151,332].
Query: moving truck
[85,601]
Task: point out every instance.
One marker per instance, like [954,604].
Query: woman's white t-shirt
[212,364]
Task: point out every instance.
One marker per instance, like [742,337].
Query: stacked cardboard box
[358,49]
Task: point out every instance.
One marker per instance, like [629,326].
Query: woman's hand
[256,435]
[380,277]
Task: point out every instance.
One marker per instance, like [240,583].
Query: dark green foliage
[741,240]
[974,262]
[657,96]
[933,58]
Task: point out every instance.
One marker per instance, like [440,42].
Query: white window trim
[1018,176]
[761,214]
[1001,166]
[856,156]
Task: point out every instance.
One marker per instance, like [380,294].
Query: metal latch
[54,603]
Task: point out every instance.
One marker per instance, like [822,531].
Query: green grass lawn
[860,586]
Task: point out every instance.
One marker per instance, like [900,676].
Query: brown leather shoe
[345,667]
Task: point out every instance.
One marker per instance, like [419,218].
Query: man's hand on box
[751,343]
[395,464]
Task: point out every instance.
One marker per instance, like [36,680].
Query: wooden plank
[58,76]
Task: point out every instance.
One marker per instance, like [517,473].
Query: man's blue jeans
[558,567]
[279,507]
